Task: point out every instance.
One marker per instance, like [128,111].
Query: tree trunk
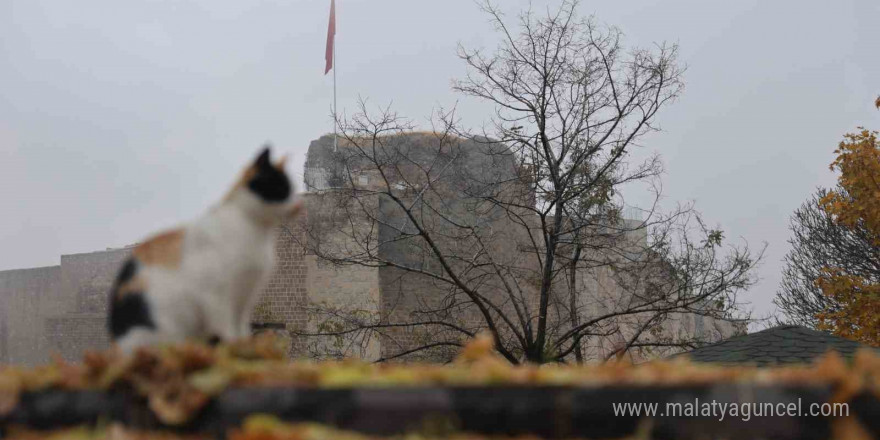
[572,298]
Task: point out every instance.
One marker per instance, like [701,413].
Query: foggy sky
[119,118]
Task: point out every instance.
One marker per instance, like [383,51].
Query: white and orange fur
[202,280]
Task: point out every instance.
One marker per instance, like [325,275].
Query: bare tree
[518,229]
[818,242]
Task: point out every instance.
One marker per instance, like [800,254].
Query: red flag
[331,36]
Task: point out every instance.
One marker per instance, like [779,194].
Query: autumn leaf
[856,205]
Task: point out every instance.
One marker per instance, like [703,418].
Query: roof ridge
[776,345]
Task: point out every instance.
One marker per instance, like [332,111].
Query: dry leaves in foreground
[178,380]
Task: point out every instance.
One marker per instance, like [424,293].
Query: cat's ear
[263,159]
[281,162]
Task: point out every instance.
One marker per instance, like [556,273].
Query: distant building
[396,295]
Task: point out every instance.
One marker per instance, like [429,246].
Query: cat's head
[264,189]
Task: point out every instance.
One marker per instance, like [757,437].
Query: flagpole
[335,120]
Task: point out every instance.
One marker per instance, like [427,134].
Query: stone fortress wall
[331,169]
[58,309]
[62,309]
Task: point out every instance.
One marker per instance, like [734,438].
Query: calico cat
[202,281]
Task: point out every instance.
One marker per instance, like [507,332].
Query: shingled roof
[787,344]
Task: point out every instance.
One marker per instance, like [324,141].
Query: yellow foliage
[858,160]
[855,205]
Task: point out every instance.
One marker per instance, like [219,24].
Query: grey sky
[118,118]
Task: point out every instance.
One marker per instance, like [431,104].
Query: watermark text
[719,410]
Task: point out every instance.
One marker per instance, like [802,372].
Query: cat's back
[162,250]
[210,259]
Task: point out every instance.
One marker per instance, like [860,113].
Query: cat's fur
[202,281]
